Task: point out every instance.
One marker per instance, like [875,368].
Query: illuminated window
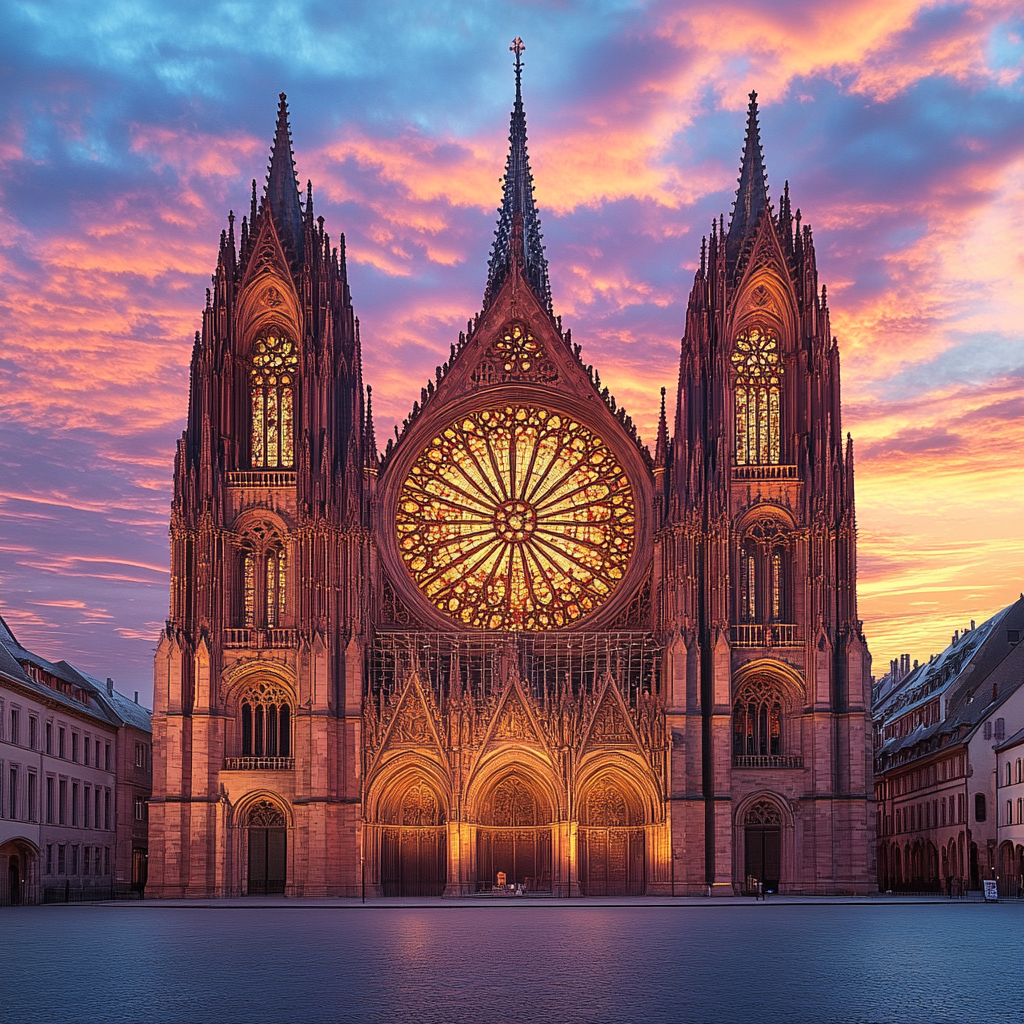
[518,349]
[264,577]
[758,365]
[272,382]
[757,719]
[266,721]
[762,591]
[516,518]
[748,586]
[777,586]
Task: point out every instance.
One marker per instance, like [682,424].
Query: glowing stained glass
[249,573]
[516,518]
[777,585]
[748,586]
[757,362]
[276,578]
[518,349]
[272,379]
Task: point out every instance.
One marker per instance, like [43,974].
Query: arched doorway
[19,881]
[763,846]
[414,848]
[612,848]
[268,849]
[514,839]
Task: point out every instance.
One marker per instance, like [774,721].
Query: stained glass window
[272,381]
[758,364]
[516,518]
[777,586]
[266,721]
[757,719]
[249,584]
[276,577]
[748,585]
[518,348]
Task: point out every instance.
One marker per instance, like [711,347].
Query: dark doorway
[612,861]
[14,881]
[414,861]
[140,869]
[975,873]
[267,858]
[522,855]
[763,846]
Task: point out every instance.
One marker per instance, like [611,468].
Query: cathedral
[517,647]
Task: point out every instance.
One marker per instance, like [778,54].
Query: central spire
[282,192]
[518,236]
[752,195]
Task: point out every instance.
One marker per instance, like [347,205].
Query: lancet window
[757,719]
[264,577]
[757,362]
[272,387]
[266,721]
[763,585]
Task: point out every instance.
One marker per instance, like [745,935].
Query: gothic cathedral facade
[516,647]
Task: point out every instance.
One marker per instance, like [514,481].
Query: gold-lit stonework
[516,518]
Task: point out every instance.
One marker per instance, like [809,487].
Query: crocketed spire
[282,192]
[752,194]
[518,199]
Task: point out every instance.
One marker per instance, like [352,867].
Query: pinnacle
[752,194]
[518,205]
[282,189]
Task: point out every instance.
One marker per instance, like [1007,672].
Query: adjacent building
[518,646]
[1010,808]
[937,727]
[75,780]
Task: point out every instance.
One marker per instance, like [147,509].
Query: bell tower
[256,706]
[769,671]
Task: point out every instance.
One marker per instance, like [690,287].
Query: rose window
[516,518]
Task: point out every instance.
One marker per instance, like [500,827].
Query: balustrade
[259,764]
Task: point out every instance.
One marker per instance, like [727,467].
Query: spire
[661,446]
[282,191]
[517,203]
[752,195]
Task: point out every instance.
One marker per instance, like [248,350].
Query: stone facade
[518,648]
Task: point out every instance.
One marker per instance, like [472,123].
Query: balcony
[259,764]
[262,478]
[776,634]
[260,638]
[768,761]
[764,473]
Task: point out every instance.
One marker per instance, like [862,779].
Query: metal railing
[259,764]
[767,761]
[764,473]
[262,478]
[776,634]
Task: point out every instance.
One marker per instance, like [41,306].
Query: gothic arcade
[517,647]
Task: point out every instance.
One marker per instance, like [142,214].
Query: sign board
[991,890]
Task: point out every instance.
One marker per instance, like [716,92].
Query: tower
[515,647]
[256,706]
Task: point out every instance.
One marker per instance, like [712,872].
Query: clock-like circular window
[516,518]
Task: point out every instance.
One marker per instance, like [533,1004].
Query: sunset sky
[131,128]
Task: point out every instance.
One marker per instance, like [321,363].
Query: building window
[33,729]
[266,721]
[106,809]
[74,747]
[49,737]
[1009,812]
[49,858]
[748,586]
[85,750]
[106,860]
[60,743]
[1000,729]
[272,382]
[106,757]
[15,726]
[264,577]
[979,806]
[1018,769]
[988,730]
[97,761]
[140,809]
[1007,773]
[49,800]
[97,862]
[140,755]
[757,362]
[763,566]
[777,586]
[32,796]
[85,860]
[96,803]
[62,807]
[62,859]
[74,803]
[757,719]
[74,859]
[86,806]
[12,796]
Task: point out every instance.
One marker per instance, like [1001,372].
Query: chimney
[136,696]
[972,623]
[110,687]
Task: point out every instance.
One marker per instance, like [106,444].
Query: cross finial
[517,47]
